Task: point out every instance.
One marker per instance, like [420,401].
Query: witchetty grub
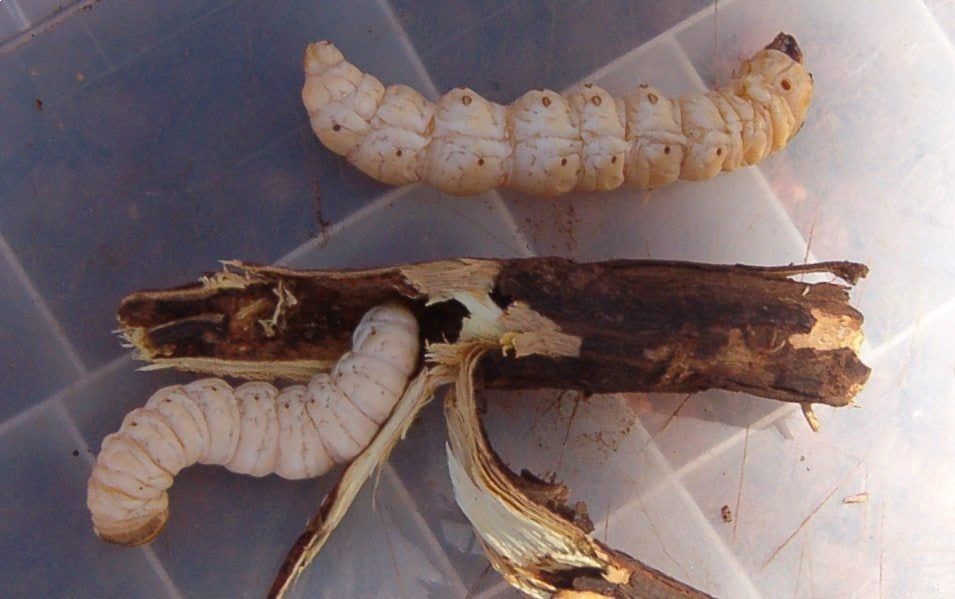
[546,143]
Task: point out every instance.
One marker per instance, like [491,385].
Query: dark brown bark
[644,325]
[680,328]
[222,323]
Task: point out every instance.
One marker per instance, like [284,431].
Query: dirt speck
[726,514]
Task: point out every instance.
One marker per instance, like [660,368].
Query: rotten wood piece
[639,326]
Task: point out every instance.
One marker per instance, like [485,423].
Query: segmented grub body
[546,143]
[296,432]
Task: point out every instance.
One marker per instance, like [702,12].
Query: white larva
[547,144]
[298,432]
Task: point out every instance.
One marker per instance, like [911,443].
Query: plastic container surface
[140,142]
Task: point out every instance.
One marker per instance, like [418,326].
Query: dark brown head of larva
[786,44]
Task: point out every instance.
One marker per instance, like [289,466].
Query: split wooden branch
[540,322]
[645,326]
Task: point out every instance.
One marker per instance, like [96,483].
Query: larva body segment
[367,383]
[348,97]
[184,418]
[390,336]
[152,432]
[217,403]
[123,519]
[339,444]
[602,133]
[655,137]
[298,432]
[548,144]
[707,139]
[399,129]
[733,129]
[130,468]
[342,413]
[467,151]
[257,449]
[300,450]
